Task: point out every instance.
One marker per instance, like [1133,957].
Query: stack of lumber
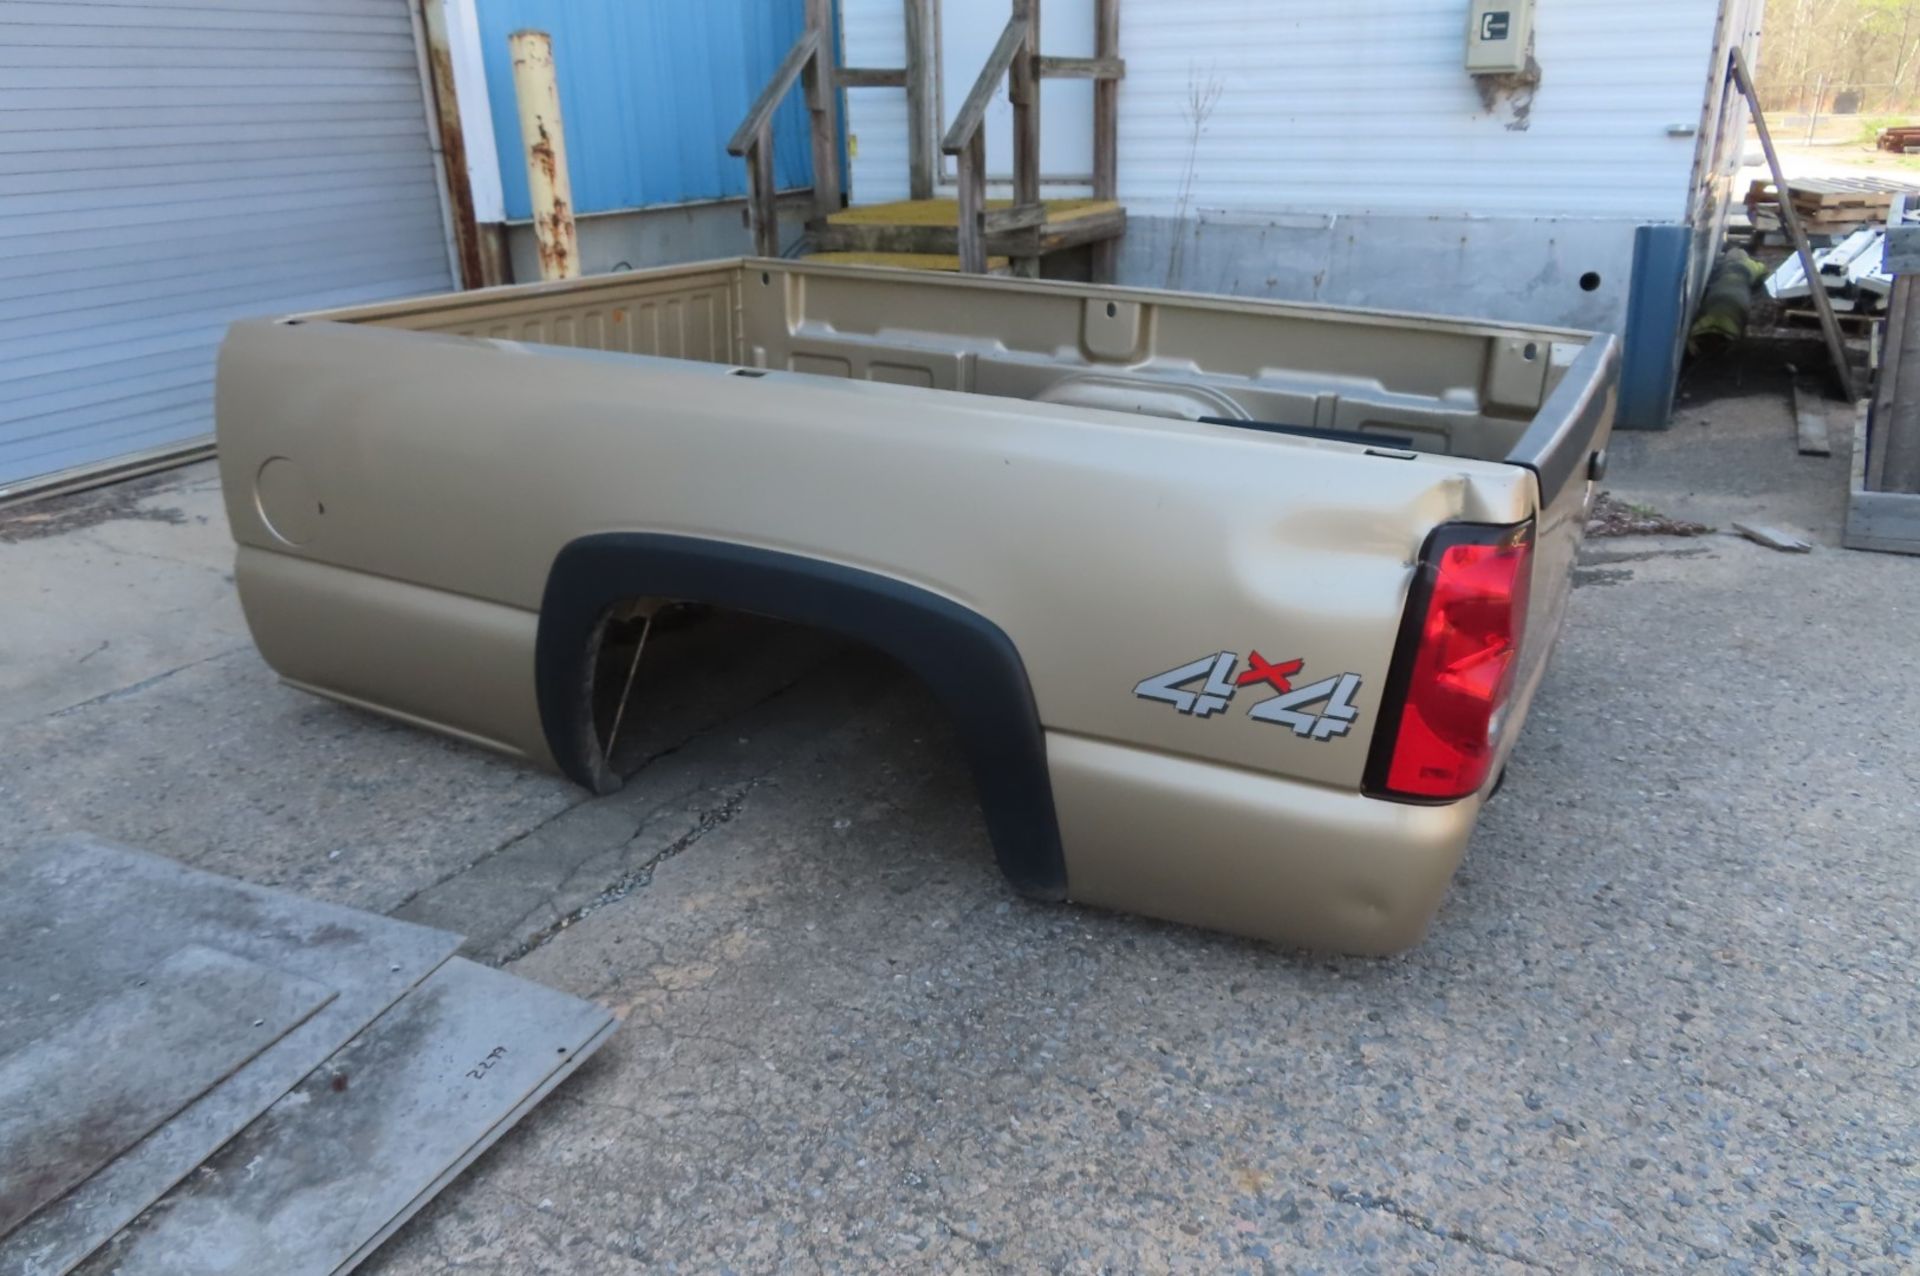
[1825,205]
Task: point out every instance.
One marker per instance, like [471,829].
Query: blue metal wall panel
[650,90]
[1656,327]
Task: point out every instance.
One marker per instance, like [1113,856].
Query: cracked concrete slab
[591,853]
[1665,1019]
[221,767]
[340,804]
[108,589]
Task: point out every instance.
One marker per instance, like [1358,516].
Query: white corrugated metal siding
[874,33]
[1723,139]
[1367,107]
[168,167]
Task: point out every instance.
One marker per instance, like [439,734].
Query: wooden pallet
[1840,222]
[1818,205]
[948,262]
[1831,190]
[1827,205]
[1857,323]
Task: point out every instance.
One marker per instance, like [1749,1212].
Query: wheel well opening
[647,639]
[663,671]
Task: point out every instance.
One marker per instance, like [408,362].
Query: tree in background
[1851,55]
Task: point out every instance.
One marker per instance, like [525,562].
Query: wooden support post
[1817,289]
[1106,130]
[817,85]
[763,207]
[1023,89]
[538,95]
[973,189]
[1893,452]
[966,138]
[922,128]
[496,264]
[753,140]
[1897,359]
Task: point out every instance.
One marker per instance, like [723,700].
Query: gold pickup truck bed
[1106,525]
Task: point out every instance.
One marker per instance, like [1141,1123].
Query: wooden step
[949,262]
[931,227]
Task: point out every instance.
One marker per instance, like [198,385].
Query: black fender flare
[968,662]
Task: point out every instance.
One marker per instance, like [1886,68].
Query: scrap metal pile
[1853,270]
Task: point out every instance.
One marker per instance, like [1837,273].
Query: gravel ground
[1664,1020]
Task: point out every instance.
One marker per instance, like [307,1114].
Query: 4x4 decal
[1289,708]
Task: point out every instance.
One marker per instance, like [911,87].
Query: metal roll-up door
[169,166]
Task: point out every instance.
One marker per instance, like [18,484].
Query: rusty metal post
[453,144]
[538,95]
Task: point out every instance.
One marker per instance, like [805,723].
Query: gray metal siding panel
[293,128]
[369,17]
[219,190]
[38,172]
[167,167]
[23,278]
[177,328]
[90,41]
[297,230]
[74,314]
[39,297]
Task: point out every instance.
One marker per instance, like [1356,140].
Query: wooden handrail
[871,77]
[761,113]
[1083,68]
[1019,228]
[974,110]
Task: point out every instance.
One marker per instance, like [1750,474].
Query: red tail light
[1454,666]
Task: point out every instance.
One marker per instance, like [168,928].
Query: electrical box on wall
[1499,34]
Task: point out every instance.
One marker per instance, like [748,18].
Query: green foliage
[1870,126]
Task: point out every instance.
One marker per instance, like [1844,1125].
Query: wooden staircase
[969,232]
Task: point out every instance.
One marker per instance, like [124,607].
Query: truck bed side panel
[1110,548]
[1560,450]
